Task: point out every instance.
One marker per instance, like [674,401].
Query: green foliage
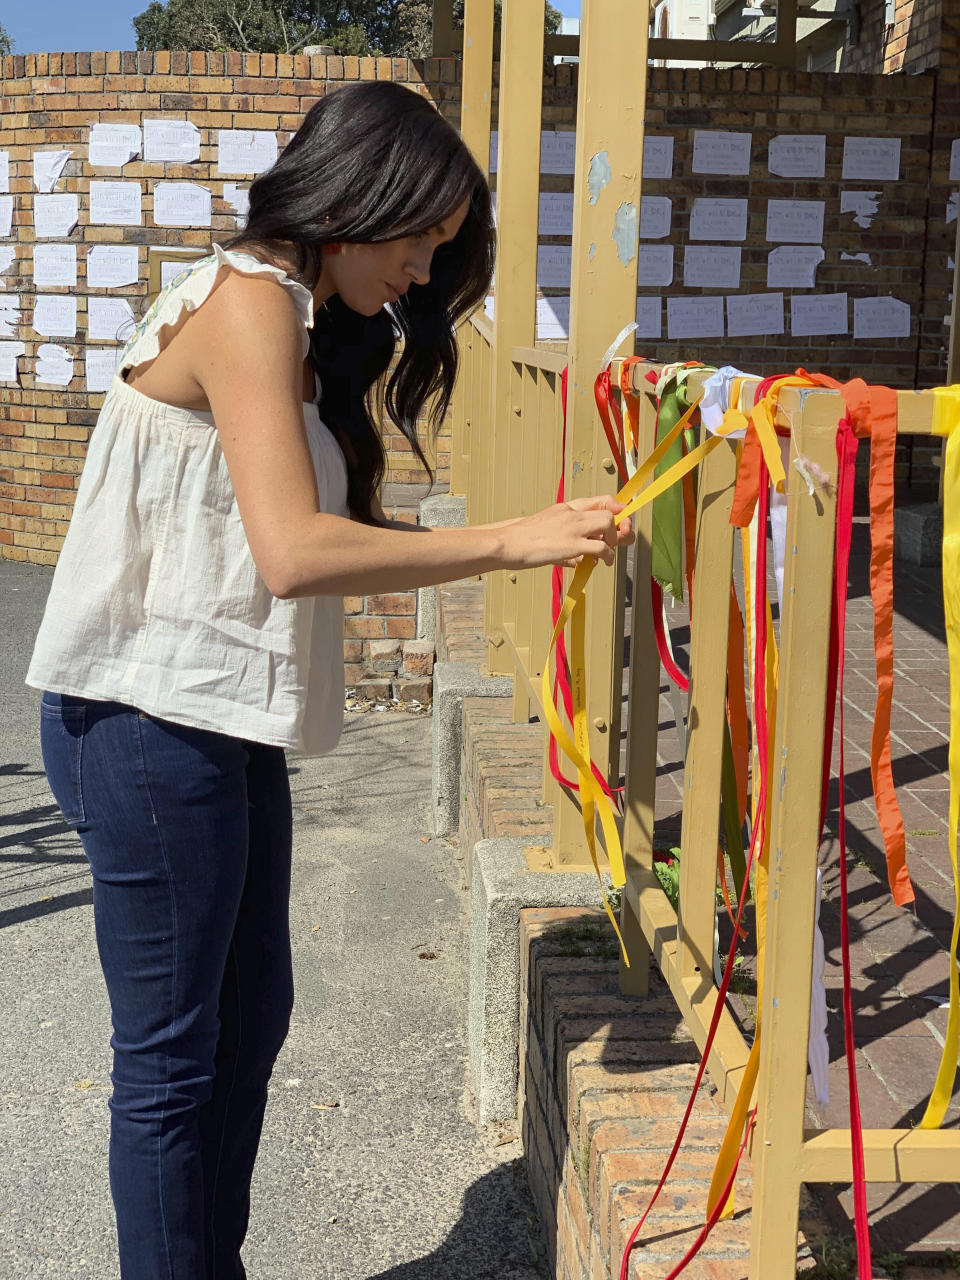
[551,19]
[6,44]
[360,27]
[668,873]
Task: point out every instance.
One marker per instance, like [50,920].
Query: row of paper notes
[716,218]
[55,365]
[743,316]
[239,151]
[719,152]
[55,316]
[120,204]
[705,266]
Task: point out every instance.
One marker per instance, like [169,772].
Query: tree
[362,27]
[6,44]
[250,25]
[551,18]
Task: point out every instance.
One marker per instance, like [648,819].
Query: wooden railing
[519,469]
[507,459]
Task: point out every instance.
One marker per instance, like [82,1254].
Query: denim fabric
[188,834]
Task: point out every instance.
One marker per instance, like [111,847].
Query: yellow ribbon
[946,417]
[593,800]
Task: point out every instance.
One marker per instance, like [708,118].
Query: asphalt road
[371,1165]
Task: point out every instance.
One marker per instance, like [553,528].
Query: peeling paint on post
[624,234]
[592,250]
[600,175]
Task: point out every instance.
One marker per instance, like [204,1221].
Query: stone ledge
[502,886]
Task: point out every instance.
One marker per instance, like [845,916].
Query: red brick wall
[49,100]
[911,43]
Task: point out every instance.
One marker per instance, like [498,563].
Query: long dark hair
[374,162]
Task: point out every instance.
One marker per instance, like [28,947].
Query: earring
[332,247]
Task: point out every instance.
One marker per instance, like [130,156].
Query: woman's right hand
[563,534]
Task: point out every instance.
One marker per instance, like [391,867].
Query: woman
[193,629]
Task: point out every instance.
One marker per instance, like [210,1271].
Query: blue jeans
[188,834]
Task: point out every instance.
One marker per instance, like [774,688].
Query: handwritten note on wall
[711,266]
[798,155]
[871,159]
[717,151]
[115,204]
[174,140]
[54,217]
[717,219]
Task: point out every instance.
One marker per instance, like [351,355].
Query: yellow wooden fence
[506,461]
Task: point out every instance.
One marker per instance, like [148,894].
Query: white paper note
[658,156]
[54,365]
[717,151]
[881,318]
[555,214]
[553,266]
[245,150]
[6,215]
[110,266]
[238,198]
[954,160]
[750,314]
[181,204]
[55,315]
[798,155]
[54,265]
[857,257]
[797,221]
[10,352]
[100,366]
[558,150]
[47,168]
[793,266]
[55,216]
[175,140]
[8,256]
[109,318]
[713,219]
[711,266]
[656,213]
[951,212]
[553,319]
[817,314]
[862,204]
[9,316]
[115,204]
[695,317]
[654,265]
[114,144]
[170,270]
[649,318]
[4,170]
[871,159]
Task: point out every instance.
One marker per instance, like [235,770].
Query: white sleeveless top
[156,601]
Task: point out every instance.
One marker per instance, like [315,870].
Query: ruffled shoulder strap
[191,287]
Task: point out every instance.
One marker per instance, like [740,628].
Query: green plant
[892,1263]
[836,1258]
[668,873]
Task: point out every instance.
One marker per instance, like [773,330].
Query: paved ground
[392,1181]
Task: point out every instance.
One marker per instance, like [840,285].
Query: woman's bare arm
[247,345]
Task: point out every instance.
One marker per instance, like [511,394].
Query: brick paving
[899,960]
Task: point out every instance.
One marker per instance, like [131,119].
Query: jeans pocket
[62,723]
